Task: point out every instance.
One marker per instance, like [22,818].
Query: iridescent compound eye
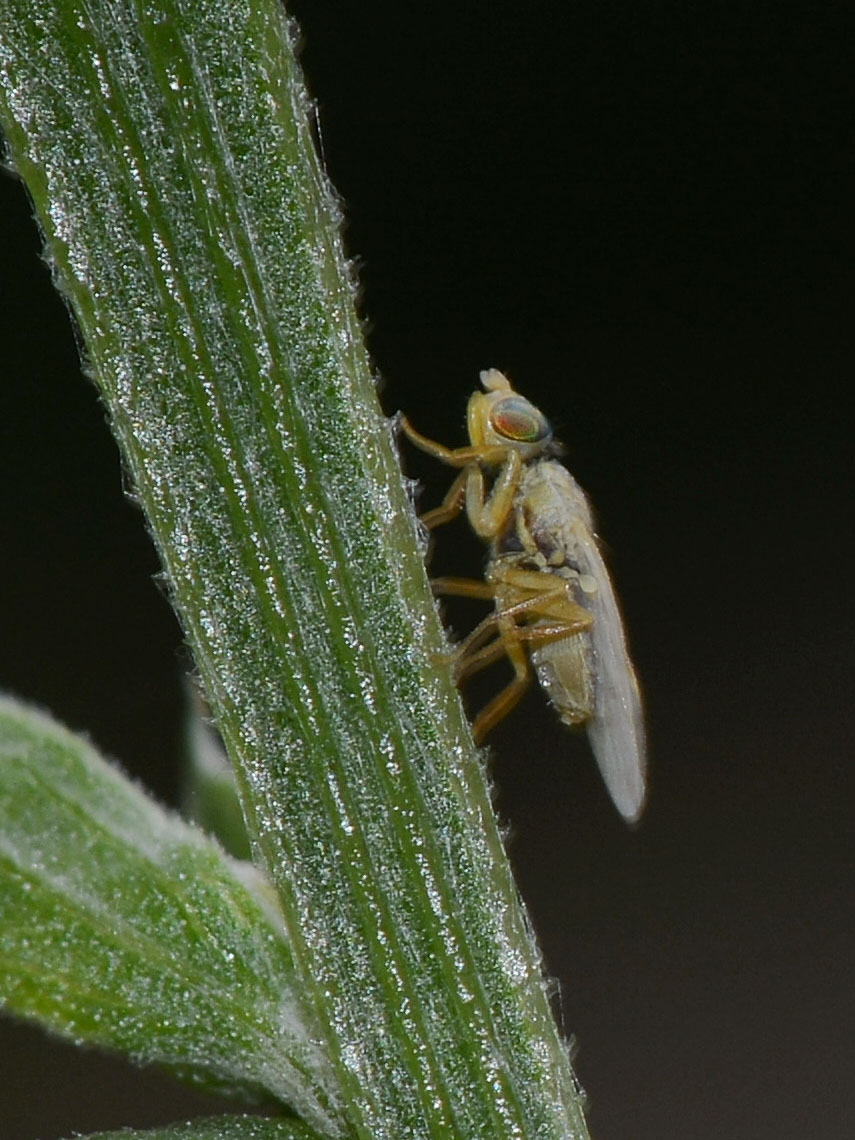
[518,420]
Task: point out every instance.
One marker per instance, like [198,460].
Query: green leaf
[122,926]
[218,1128]
[210,796]
[167,145]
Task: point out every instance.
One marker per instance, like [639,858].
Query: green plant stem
[167,146]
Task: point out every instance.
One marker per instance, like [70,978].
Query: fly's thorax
[554,494]
[549,510]
[514,541]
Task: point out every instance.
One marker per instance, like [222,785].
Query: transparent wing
[616,730]
[561,521]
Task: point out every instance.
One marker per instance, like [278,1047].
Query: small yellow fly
[554,606]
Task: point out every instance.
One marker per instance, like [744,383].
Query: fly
[555,612]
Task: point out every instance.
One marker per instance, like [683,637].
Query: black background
[641,213]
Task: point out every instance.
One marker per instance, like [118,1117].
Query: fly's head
[501,417]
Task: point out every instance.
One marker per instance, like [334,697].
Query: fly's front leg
[453,456]
[469,484]
[487,514]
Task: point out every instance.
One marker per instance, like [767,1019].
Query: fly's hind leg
[499,707]
[543,597]
[543,612]
[547,614]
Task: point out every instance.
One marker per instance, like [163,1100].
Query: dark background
[641,213]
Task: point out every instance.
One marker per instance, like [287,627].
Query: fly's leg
[544,596]
[473,659]
[464,588]
[547,593]
[451,505]
[491,454]
[546,614]
[557,616]
[461,588]
[470,655]
[487,513]
[499,707]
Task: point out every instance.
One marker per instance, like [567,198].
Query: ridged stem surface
[167,146]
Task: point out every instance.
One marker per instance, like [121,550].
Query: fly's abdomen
[563,668]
